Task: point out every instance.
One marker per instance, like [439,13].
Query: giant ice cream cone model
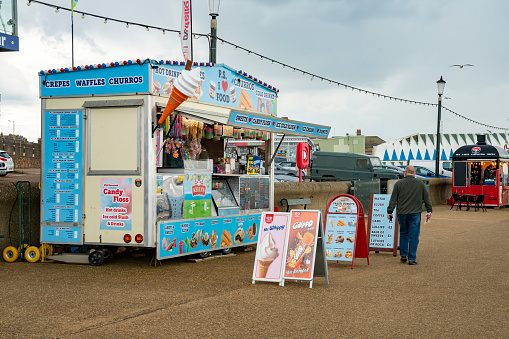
[183,88]
[267,253]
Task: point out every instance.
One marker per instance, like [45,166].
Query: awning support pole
[275,151]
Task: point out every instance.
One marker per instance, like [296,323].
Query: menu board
[341,224]
[345,230]
[254,193]
[177,238]
[382,232]
[271,246]
[340,236]
[63,161]
[301,245]
[62,235]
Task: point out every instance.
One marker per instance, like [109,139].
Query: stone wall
[21,162]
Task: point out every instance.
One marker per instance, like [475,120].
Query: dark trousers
[409,231]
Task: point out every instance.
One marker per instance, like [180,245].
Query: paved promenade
[459,289]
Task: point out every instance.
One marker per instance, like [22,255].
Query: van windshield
[447,165]
[375,162]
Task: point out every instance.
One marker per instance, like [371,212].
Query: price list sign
[383,233]
[254,193]
[62,163]
[345,230]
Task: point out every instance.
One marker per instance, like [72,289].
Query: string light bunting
[262,57]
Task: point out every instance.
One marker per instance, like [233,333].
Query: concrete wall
[440,189]
[25,162]
[9,214]
[319,192]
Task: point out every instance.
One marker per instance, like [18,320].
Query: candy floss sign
[116,204]
[271,246]
[300,253]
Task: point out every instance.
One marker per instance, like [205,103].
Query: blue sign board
[382,232]
[62,235]
[8,42]
[198,235]
[272,124]
[219,85]
[63,165]
[98,81]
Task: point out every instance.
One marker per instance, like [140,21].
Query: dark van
[335,166]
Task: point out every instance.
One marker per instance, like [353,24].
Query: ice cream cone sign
[183,88]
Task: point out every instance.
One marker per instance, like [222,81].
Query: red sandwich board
[345,229]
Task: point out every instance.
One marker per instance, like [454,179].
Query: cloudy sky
[398,48]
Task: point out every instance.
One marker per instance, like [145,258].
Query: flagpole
[72,38]
[72,32]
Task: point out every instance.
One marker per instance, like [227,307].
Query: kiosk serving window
[106,151]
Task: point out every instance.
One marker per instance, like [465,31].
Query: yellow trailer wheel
[47,249]
[10,254]
[32,254]
[24,247]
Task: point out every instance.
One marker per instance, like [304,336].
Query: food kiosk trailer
[111,176]
[482,169]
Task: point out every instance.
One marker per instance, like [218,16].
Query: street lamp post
[214,13]
[441,85]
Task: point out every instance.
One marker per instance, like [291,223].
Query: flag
[73,4]
[186,30]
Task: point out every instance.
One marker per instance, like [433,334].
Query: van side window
[362,163]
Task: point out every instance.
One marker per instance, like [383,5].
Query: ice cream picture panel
[219,85]
[270,249]
[302,238]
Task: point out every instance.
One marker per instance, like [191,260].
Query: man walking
[408,195]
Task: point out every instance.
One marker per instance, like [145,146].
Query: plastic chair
[457,198]
[479,203]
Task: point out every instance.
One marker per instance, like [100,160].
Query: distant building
[372,141]
[423,146]
[345,144]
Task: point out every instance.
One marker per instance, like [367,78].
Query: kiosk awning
[193,110]
[269,123]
